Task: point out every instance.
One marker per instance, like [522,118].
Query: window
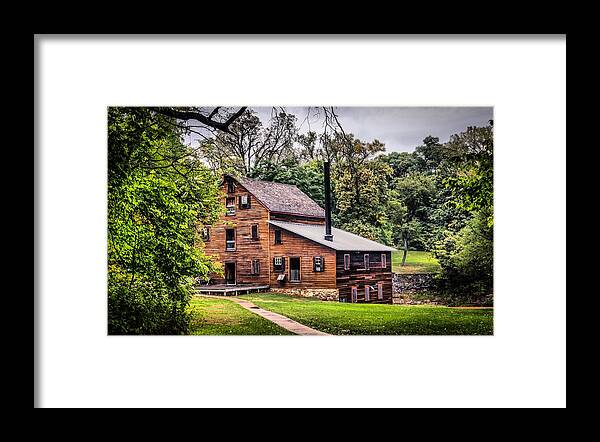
[367,293]
[244,201]
[383,260]
[366,260]
[230,186]
[277,236]
[347,261]
[380,290]
[279,264]
[255,267]
[354,293]
[230,204]
[229,239]
[295,269]
[254,231]
[205,234]
[318,264]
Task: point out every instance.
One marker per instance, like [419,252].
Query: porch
[231,290]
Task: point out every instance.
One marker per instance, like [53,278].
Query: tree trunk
[356,186]
[405,239]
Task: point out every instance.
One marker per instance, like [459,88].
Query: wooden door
[230,273]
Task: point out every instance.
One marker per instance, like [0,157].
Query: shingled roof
[282,198]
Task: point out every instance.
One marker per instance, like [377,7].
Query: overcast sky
[399,128]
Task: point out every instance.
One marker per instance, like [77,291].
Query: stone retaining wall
[322,294]
[412,283]
[405,286]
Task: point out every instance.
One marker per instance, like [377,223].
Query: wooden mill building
[273,235]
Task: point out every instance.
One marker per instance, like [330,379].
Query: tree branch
[186,115]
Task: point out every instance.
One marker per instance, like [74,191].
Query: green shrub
[466,259]
[143,308]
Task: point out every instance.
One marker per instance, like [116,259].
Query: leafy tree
[466,255]
[352,156]
[159,195]
[413,195]
[249,145]
[417,192]
[466,258]
[430,155]
[472,183]
[402,163]
[368,217]
[308,151]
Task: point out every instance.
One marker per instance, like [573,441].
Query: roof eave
[297,214]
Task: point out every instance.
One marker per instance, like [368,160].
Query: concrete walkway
[282,321]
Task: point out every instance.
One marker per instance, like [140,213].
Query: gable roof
[282,198]
[342,240]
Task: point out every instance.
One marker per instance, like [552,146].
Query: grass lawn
[416,262]
[375,319]
[212,316]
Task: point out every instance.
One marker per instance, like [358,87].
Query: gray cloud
[399,128]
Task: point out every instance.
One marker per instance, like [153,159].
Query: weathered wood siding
[293,245]
[358,276]
[296,219]
[246,248]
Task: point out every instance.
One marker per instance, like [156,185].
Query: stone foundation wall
[322,294]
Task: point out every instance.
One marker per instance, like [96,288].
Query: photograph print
[314,220]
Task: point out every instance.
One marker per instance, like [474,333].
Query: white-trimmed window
[380,290]
[255,267]
[278,264]
[230,239]
[346,261]
[366,261]
[244,201]
[354,293]
[318,264]
[230,205]
[383,260]
[367,293]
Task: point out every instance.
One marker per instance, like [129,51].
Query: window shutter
[283,264]
[240,201]
[322,264]
[248,205]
